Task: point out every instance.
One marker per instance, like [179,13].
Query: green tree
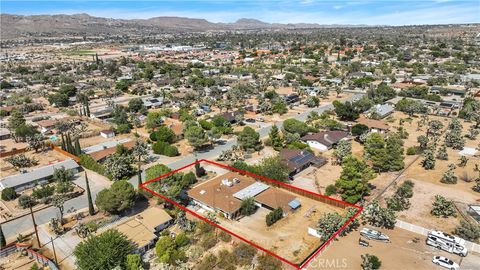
[163,134]
[353,181]
[135,105]
[63,177]
[91,209]
[119,197]
[449,176]
[295,126]
[370,262]
[468,231]
[378,216]
[118,166]
[16,119]
[167,250]
[345,111]
[9,194]
[134,262]
[248,138]
[3,241]
[196,136]
[328,224]
[428,162]
[273,168]
[343,149]
[104,251]
[248,207]
[359,129]
[442,207]
[275,138]
[442,153]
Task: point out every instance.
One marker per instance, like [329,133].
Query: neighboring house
[36,176]
[101,155]
[324,140]
[225,194]
[381,110]
[5,134]
[232,116]
[107,134]
[298,160]
[142,230]
[46,126]
[102,114]
[152,103]
[373,125]
[104,145]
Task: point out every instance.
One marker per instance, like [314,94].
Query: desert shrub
[89,163]
[468,231]
[330,190]
[208,241]
[9,194]
[25,201]
[43,192]
[412,150]
[224,236]
[274,216]
[163,148]
[442,207]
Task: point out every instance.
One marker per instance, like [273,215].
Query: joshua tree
[449,176]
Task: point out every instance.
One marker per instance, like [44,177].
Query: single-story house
[225,194]
[5,134]
[298,160]
[36,176]
[232,116]
[46,126]
[142,229]
[101,155]
[324,140]
[103,145]
[107,134]
[382,110]
[373,125]
[151,103]
[102,114]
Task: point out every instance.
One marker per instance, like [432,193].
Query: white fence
[423,231]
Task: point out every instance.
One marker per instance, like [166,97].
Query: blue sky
[386,12]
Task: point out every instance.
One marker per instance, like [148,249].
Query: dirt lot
[44,158]
[401,253]
[288,237]
[427,182]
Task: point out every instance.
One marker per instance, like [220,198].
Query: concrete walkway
[424,231]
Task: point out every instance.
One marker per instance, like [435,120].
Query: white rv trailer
[447,242]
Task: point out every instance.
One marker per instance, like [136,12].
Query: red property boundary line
[296,266]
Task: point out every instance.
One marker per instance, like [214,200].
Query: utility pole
[54,252]
[35,226]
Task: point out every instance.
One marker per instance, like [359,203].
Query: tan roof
[153,216]
[275,197]
[136,232]
[47,123]
[371,123]
[141,228]
[99,155]
[214,194]
[177,129]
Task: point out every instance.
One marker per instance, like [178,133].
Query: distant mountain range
[13,26]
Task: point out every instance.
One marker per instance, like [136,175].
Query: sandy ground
[44,158]
[401,253]
[288,237]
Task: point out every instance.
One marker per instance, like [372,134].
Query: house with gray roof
[36,176]
[382,110]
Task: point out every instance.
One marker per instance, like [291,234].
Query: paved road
[24,224]
[97,183]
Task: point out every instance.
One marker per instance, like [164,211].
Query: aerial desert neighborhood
[240,135]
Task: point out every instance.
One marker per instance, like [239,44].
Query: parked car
[445,262]
[250,120]
[373,234]
[260,119]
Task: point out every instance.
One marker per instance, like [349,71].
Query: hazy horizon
[370,13]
